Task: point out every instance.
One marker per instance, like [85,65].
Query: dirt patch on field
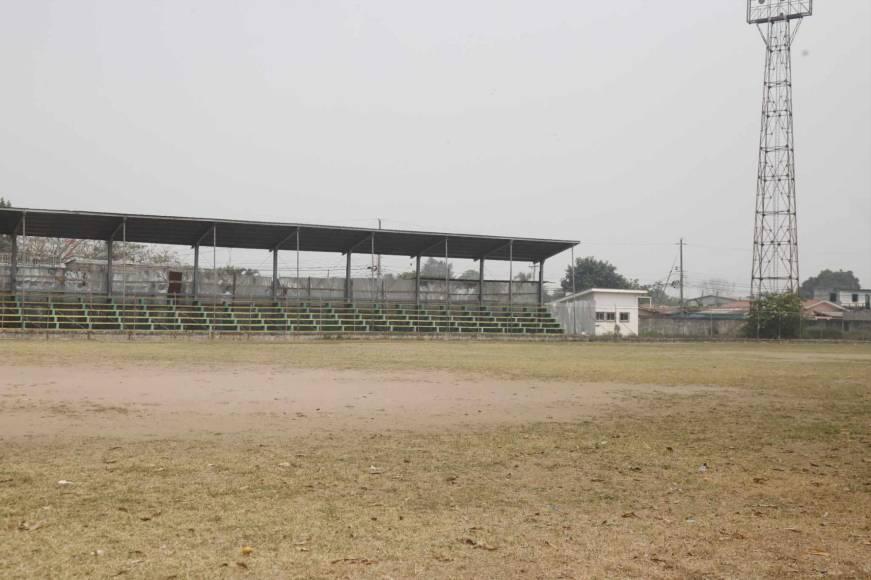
[136,400]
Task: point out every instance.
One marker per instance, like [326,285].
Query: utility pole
[681,276]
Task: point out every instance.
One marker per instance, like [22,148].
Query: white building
[599,312]
[852,299]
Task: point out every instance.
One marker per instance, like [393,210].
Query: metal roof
[186,231]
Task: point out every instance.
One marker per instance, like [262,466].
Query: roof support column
[481,281]
[541,283]
[123,267]
[373,294]
[110,275]
[274,274]
[447,275]
[349,291]
[510,273]
[23,224]
[196,284]
[417,281]
[214,271]
[110,257]
[298,288]
[13,263]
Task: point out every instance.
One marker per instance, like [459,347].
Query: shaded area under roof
[184,231]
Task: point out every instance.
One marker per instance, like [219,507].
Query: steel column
[417,281]
[298,293]
[13,264]
[348,290]
[510,273]
[541,283]
[481,282]
[196,289]
[274,274]
[110,254]
[447,275]
[372,292]
[124,268]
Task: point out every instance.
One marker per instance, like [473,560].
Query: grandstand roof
[187,231]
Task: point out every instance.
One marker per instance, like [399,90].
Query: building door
[174,283]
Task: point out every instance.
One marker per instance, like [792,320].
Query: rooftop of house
[591,291]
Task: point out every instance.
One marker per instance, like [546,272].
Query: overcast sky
[625,124]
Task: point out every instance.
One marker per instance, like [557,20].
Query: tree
[830,280]
[469,274]
[775,316]
[592,273]
[434,268]
[59,249]
[5,243]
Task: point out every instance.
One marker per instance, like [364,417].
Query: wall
[616,303]
[677,327]
[731,328]
[579,316]
[575,317]
[89,278]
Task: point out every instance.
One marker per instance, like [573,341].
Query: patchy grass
[786,491]
[727,364]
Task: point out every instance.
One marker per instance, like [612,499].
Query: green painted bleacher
[65,313]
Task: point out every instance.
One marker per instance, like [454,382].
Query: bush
[774,316]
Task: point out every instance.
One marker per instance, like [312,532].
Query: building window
[833,297]
[855,297]
[600,317]
[610,316]
[624,317]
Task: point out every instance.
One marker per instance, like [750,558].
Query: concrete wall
[695,327]
[714,327]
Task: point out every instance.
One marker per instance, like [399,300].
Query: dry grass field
[405,459]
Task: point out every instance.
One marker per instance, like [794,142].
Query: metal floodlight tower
[775,236]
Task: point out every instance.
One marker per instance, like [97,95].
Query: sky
[625,125]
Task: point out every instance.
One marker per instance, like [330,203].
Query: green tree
[775,316]
[830,280]
[434,268]
[592,273]
[5,241]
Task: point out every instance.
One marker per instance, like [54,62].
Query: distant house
[708,300]
[821,310]
[733,309]
[852,299]
[599,312]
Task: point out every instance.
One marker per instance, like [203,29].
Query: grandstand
[185,307]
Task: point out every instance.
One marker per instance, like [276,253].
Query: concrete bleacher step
[143,315]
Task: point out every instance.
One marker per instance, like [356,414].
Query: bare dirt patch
[159,402]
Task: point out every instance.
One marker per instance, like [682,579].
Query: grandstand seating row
[166,315]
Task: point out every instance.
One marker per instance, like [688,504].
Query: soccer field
[398,459]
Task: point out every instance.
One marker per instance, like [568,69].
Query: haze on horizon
[626,125]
